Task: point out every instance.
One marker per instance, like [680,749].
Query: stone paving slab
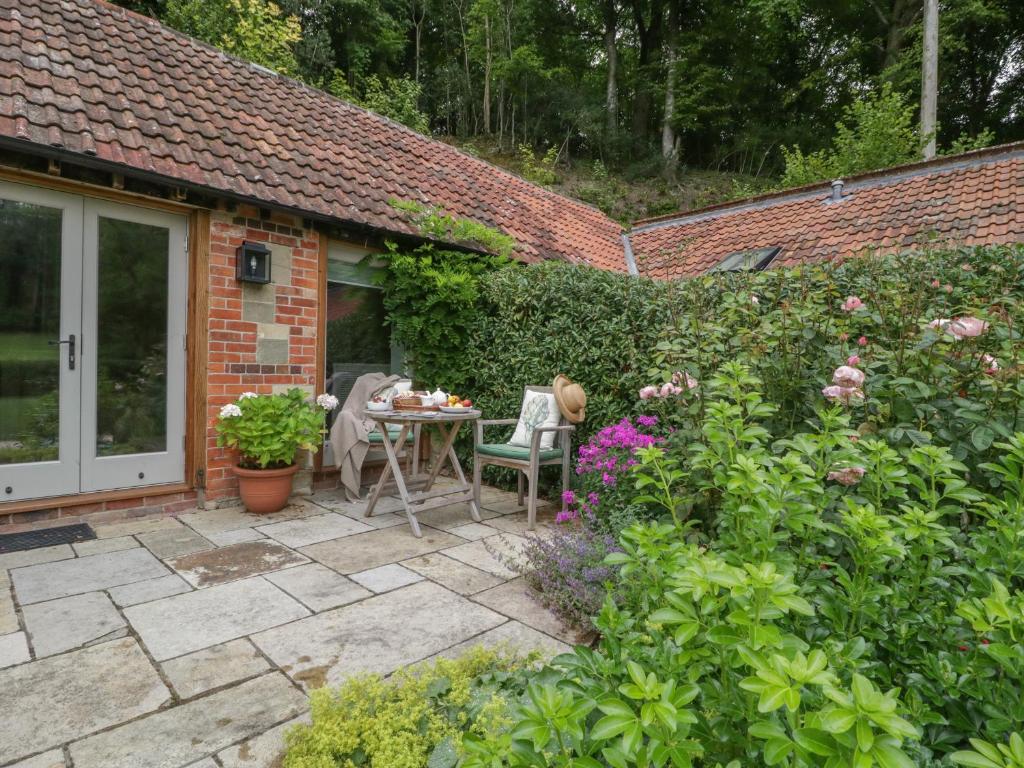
[473,531]
[8,615]
[174,542]
[213,667]
[385,578]
[62,698]
[511,637]
[210,521]
[368,550]
[71,622]
[519,522]
[238,561]
[452,516]
[12,560]
[380,520]
[264,751]
[194,730]
[64,578]
[52,759]
[237,536]
[312,530]
[99,546]
[184,623]
[515,600]
[379,635]
[13,649]
[131,527]
[493,554]
[317,586]
[456,576]
[151,589]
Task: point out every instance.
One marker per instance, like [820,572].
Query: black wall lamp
[252,263]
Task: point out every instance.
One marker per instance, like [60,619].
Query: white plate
[450,409]
[378,406]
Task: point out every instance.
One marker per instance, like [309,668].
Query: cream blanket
[350,433]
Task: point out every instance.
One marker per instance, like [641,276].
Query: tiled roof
[91,78]
[971,199]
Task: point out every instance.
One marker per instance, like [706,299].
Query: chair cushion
[518,452]
[377,437]
[539,410]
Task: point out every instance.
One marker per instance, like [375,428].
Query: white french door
[92,353]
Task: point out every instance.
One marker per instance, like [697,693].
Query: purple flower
[647,421]
[568,497]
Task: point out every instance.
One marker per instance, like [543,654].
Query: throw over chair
[528,458]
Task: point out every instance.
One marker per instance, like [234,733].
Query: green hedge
[614,333]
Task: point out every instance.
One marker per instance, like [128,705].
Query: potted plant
[268,431]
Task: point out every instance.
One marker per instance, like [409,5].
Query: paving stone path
[194,641]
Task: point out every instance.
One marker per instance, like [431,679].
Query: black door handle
[70,341]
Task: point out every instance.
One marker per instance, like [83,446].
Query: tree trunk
[649,35]
[611,104]
[487,75]
[668,133]
[929,76]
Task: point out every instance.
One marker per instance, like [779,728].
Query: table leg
[399,480]
[384,475]
[453,457]
[449,437]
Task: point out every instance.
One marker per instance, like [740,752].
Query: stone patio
[194,641]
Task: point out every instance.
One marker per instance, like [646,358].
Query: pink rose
[844,395]
[648,392]
[847,475]
[939,323]
[844,336]
[936,283]
[991,364]
[754,300]
[862,341]
[845,376]
[949,288]
[966,327]
[853,360]
[852,304]
[668,389]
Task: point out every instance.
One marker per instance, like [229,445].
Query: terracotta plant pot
[265,490]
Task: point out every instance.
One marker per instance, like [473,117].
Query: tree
[256,30]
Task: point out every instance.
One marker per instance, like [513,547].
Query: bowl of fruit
[457,404]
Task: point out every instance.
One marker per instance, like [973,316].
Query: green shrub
[413,720]
[809,601]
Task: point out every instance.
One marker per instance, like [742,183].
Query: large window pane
[30,251]
[131,387]
[358,339]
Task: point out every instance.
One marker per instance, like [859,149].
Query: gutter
[627,248]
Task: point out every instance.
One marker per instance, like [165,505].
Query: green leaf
[775,750]
[610,726]
[815,741]
[888,756]
[444,755]
[838,720]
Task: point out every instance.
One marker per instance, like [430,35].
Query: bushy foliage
[268,430]
[787,610]
[395,98]
[412,720]
[539,171]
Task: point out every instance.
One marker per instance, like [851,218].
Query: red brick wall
[241,357]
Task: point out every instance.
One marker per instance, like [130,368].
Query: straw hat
[571,399]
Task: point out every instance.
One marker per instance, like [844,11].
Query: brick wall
[262,338]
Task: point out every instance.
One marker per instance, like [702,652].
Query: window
[358,337]
[753,260]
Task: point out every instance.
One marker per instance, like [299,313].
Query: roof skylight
[751,260]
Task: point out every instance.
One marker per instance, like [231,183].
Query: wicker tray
[412,406]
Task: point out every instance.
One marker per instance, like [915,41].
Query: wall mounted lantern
[252,263]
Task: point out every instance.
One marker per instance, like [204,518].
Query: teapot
[440,397]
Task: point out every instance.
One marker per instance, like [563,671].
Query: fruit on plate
[467,403]
[454,401]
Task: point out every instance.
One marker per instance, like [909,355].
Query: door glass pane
[131,385]
[358,338]
[30,244]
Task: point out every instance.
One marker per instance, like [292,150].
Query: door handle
[70,341]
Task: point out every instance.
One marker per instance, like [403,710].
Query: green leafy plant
[268,430]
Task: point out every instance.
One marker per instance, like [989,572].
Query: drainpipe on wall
[627,248]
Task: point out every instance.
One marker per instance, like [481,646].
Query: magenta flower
[568,497]
[845,376]
[647,421]
[566,516]
[852,304]
[847,475]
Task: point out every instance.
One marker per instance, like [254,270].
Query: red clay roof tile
[89,77]
[971,199]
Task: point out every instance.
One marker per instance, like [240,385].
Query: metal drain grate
[45,537]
